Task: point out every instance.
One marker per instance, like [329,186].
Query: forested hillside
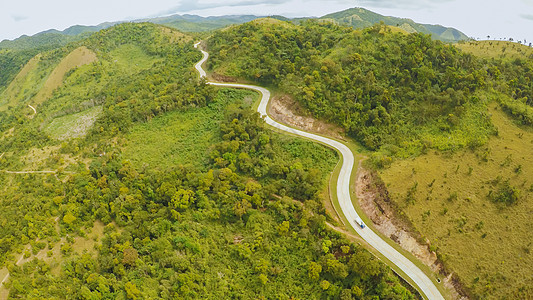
[439,108]
[80,218]
[362,18]
[396,93]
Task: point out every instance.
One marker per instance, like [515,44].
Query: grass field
[9,96]
[181,137]
[496,49]
[132,58]
[452,199]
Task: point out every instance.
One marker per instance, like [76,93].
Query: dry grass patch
[86,244]
[496,49]
[46,158]
[394,29]
[11,94]
[175,36]
[77,58]
[455,201]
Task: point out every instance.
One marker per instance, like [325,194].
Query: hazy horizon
[475,18]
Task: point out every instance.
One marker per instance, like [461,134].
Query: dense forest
[398,94]
[249,223]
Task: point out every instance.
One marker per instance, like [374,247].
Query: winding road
[424,284]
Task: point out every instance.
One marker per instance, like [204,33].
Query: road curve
[34,111]
[425,285]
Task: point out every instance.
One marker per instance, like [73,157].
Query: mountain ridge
[356,17]
[359,17]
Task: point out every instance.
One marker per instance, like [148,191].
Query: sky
[476,18]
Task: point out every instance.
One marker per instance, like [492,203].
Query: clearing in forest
[74,125]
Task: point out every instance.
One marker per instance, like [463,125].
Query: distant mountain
[360,18]
[42,41]
[192,23]
[54,38]
[356,17]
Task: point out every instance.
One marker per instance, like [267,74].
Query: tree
[283,228]
[130,256]
[314,270]
[132,292]
[324,284]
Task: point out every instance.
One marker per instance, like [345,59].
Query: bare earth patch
[221,78]
[285,110]
[74,126]
[374,200]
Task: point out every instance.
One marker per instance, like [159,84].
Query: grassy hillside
[12,61]
[475,208]
[362,18]
[453,127]
[13,91]
[40,77]
[75,59]
[497,49]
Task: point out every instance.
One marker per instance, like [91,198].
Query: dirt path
[34,111]
[29,172]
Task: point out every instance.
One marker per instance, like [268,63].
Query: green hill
[191,23]
[135,179]
[399,93]
[361,18]
[447,130]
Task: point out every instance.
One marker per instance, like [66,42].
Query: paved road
[427,287]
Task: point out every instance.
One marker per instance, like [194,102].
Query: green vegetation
[464,183]
[395,93]
[243,221]
[74,125]
[191,23]
[12,62]
[362,18]
[181,137]
[474,206]
[496,49]
[132,57]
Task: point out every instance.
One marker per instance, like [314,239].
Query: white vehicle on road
[360,222]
